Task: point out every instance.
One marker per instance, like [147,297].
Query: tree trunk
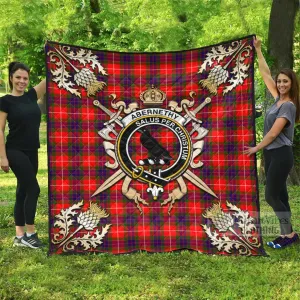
[293,177]
[280,44]
[95,7]
[281,33]
[93,26]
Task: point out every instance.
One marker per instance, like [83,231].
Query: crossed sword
[113,179]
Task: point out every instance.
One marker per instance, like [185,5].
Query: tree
[280,47]
[281,33]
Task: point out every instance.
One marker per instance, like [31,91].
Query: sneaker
[276,241]
[286,241]
[31,241]
[17,242]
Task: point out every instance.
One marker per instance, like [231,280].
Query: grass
[30,274]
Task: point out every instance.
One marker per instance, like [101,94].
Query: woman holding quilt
[20,153]
[277,144]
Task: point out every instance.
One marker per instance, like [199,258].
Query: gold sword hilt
[196,110]
[108,112]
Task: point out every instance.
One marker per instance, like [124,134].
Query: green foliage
[235,19]
[259,129]
[22,34]
[132,25]
[44,118]
[296,50]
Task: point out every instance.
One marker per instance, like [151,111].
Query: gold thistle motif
[87,79]
[87,220]
[216,77]
[218,74]
[90,218]
[220,219]
[62,57]
[245,241]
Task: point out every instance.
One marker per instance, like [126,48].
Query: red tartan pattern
[76,156]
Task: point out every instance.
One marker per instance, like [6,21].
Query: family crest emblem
[152,129]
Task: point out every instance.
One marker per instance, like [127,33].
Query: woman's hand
[251,150]
[4,165]
[256,43]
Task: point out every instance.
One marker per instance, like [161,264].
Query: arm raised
[264,69]
[40,89]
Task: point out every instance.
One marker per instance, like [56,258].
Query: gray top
[286,110]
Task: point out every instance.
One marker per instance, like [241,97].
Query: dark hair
[294,91]
[13,67]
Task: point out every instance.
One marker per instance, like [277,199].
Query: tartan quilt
[145,150]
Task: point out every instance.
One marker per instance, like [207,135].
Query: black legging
[278,163]
[24,165]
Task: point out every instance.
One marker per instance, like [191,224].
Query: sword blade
[108,112]
[110,181]
[196,110]
[194,179]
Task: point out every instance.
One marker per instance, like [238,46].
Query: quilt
[145,150]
